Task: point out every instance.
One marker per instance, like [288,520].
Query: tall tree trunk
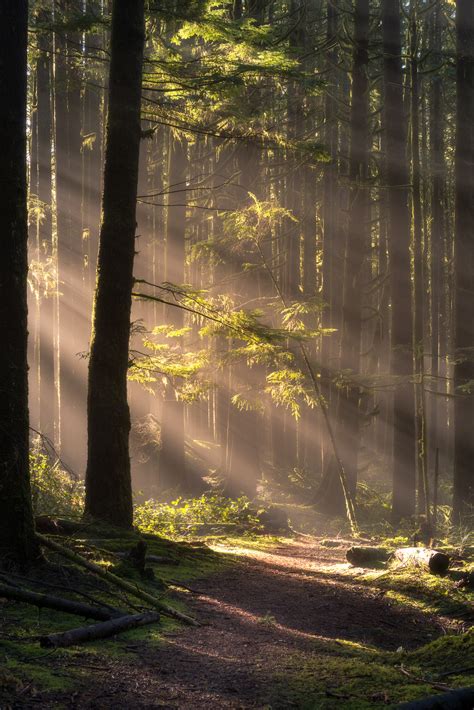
[73,327]
[404,479]
[16,520]
[44,229]
[464,264]
[357,242]
[243,427]
[332,249]
[438,225]
[418,273]
[108,484]
[172,465]
[92,156]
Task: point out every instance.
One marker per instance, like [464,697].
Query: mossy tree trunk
[17,540]
[108,481]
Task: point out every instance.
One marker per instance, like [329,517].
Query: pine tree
[396,132]
[17,540]
[464,260]
[357,242]
[108,481]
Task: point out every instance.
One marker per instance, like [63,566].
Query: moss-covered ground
[357,677]
[24,665]
[328,672]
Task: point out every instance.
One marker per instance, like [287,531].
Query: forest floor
[284,624]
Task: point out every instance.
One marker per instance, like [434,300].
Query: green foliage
[411,586]
[42,278]
[209,66]
[249,336]
[183,517]
[373,504]
[53,490]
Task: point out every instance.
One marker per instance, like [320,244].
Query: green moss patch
[427,592]
[346,674]
[26,665]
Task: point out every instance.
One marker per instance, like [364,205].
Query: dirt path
[255,615]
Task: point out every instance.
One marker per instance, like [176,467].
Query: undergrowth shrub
[184,516]
[373,504]
[53,490]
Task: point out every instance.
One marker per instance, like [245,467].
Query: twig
[456,671]
[425,681]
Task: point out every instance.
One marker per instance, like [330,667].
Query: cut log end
[433,560]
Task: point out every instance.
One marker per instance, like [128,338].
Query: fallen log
[436,562]
[98,631]
[58,603]
[46,524]
[460,699]
[133,589]
[367,556]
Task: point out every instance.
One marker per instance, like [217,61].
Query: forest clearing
[237,354]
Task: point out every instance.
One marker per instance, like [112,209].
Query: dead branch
[98,631]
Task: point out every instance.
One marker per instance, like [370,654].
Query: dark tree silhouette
[403,501]
[358,241]
[464,333]
[108,484]
[16,529]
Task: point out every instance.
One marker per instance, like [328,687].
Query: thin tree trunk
[44,227]
[438,171]
[73,330]
[418,275]
[463,494]
[172,464]
[357,243]
[404,479]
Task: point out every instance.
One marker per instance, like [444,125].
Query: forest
[237,354]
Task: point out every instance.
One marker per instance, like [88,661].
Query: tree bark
[129,587]
[438,226]
[98,631]
[172,462]
[418,274]
[17,540]
[436,562]
[73,329]
[45,249]
[367,556]
[463,494]
[108,481]
[357,243]
[57,603]
[395,124]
